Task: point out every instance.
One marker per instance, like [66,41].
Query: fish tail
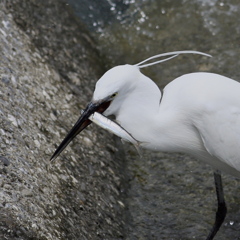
[136,145]
[139,150]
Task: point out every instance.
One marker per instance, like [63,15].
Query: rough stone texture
[47,74]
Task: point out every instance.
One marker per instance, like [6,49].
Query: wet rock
[5,161]
[26,193]
[48,72]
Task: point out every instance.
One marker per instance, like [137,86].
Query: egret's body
[197,114]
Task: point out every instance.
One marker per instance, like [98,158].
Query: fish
[114,128]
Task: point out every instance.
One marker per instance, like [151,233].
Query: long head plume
[175,54]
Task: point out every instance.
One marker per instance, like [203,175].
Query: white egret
[197,114]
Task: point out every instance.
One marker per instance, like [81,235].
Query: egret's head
[114,85]
[115,80]
[109,90]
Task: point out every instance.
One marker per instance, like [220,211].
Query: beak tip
[54,156]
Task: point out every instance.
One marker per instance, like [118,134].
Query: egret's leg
[222,208]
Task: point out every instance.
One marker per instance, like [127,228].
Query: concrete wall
[48,70]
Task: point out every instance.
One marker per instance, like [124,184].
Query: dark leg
[222,209]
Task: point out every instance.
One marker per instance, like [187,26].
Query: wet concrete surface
[49,66]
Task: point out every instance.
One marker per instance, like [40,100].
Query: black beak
[82,123]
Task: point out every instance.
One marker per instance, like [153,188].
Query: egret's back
[211,103]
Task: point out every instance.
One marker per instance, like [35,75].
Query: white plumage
[198,113]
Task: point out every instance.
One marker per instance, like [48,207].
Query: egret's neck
[159,125]
[139,108]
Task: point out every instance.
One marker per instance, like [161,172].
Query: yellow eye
[114,95]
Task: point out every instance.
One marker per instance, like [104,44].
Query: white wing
[217,116]
[212,103]
[220,132]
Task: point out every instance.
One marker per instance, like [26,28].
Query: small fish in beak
[114,128]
